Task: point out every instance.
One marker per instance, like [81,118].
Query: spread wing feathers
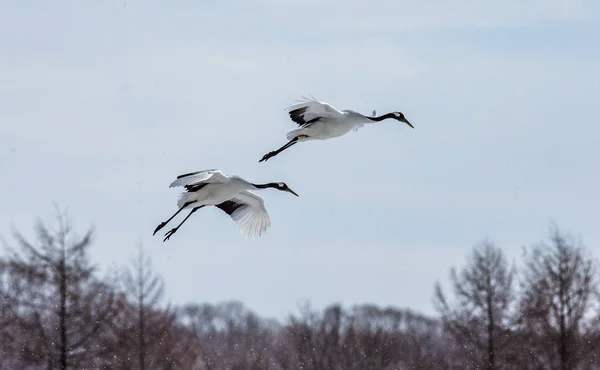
[310,110]
[193,179]
[249,213]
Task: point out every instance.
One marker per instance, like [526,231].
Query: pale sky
[103,104]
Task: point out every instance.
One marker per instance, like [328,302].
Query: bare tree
[55,312]
[143,327]
[230,336]
[480,319]
[56,300]
[10,332]
[365,337]
[316,338]
[558,302]
[146,288]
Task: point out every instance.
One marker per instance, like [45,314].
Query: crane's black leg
[275,152]
[173,230]
[163,224]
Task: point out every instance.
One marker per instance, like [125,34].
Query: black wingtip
[188,174]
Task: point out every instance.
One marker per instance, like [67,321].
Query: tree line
[58,312]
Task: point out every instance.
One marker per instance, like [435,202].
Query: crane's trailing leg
[174,230]
[163,224]
[275,152]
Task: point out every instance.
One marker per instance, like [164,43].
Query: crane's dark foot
[169,233]
[160,226]
[267,156]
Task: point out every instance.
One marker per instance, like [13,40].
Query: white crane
[321,121]
[230,194]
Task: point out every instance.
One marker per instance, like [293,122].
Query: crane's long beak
[291,191]
[408,123]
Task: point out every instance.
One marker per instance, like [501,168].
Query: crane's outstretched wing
[195,180]
[249,213]
[310,110]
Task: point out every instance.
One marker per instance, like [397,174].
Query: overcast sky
[102,104]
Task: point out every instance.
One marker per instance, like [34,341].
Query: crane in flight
[231,194]
[321,121]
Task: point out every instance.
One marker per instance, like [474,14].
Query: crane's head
[276,185]
[400,117]
[283,187]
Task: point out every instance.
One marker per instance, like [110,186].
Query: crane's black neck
[267,185]
[381,118]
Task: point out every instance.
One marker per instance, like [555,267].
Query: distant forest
[57,312]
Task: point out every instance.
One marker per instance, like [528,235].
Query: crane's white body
[252,217]
[321,121]
[329,121]
[217,188]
